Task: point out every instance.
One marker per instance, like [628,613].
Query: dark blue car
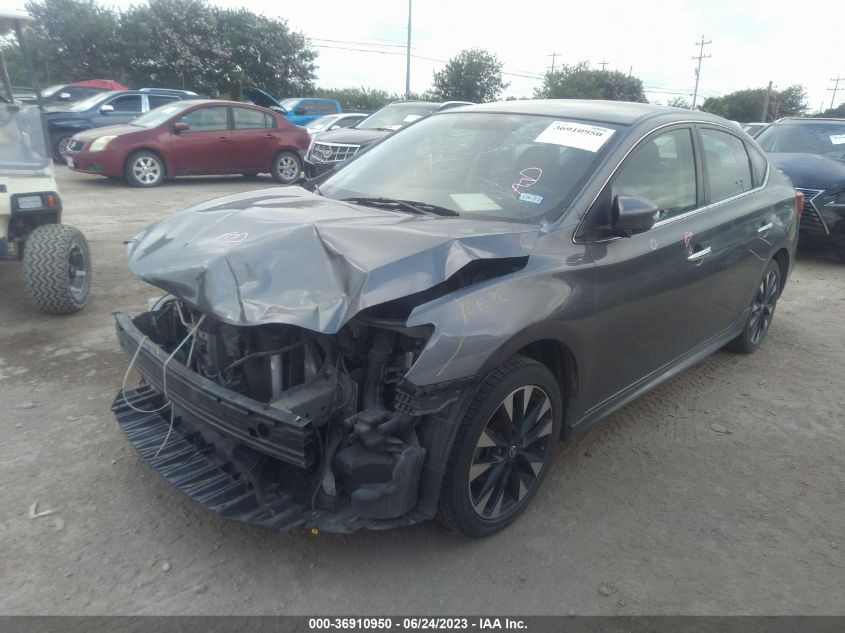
[106,108]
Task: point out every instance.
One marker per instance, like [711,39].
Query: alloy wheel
[146,170]
[763,307]
[63,145]
[288,168]
[511,452]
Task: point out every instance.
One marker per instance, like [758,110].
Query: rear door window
[728,167]
[661,170]
[247,119]
[159,100]
[326,107]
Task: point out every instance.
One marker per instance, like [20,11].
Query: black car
[812,153]
[329,149]
[412,336]
[106,108]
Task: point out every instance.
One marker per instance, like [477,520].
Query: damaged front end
[282,426]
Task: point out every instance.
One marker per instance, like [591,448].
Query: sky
[752,41]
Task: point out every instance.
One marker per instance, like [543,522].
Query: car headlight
[100,143]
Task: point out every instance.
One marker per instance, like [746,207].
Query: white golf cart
[56,261]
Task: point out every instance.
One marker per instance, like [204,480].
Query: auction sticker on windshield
[577,135]
[837,139]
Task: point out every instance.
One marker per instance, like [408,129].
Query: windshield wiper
[420,208]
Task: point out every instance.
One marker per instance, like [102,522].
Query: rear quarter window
[759,165]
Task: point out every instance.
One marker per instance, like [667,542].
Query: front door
[126,108]
[204,148]
[653,289]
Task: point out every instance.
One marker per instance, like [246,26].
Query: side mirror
[64,96]
[180,126]
[334,127]
[632,214]
[106,109]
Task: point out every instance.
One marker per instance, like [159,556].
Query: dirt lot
[721,492]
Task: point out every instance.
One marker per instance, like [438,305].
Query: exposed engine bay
[356,450]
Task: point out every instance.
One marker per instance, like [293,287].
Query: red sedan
[192,138]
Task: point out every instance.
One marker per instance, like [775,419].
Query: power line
[701,56]
[326,39]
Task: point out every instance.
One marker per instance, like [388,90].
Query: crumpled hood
[351,135]
[284,255]
[811,171]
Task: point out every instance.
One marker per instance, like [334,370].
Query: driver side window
[661,170]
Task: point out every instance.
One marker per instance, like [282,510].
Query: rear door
[653,289]
[254,140]
[126,108]
[749,222]
[204,148]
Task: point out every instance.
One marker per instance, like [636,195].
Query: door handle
[765,227]
[269,136]
[223,139]
[704,252]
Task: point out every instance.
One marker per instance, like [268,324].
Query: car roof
[800,119]
[226,102]
[614,112]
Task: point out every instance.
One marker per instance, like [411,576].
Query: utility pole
[408,56]
[835,89]
[602,64]
[553,56]
[766,103]
[701,56]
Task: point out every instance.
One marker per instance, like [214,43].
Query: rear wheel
[57,268]
[286,167]
[762,312]
[144,169]
[503,449]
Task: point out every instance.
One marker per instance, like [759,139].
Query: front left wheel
[57,268]
[144,169]
[503,449]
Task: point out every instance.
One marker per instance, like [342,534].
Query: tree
[358,99]
[747,105]
[582,82]
[678,102]
[167,43]
[837,112]
[474,75]
[69,40]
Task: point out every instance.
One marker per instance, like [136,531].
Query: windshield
[159,115]
[322,123]
[826,138]
[288,104]
[396,115]
[22,144]
[493,166]
[90,102]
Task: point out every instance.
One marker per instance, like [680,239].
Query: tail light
[799,203]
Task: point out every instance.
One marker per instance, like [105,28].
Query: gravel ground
[722,492]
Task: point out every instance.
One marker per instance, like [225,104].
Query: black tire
[762,312]
[144,169]
[57,268]
[59,142]
[286,167]
[513,475]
